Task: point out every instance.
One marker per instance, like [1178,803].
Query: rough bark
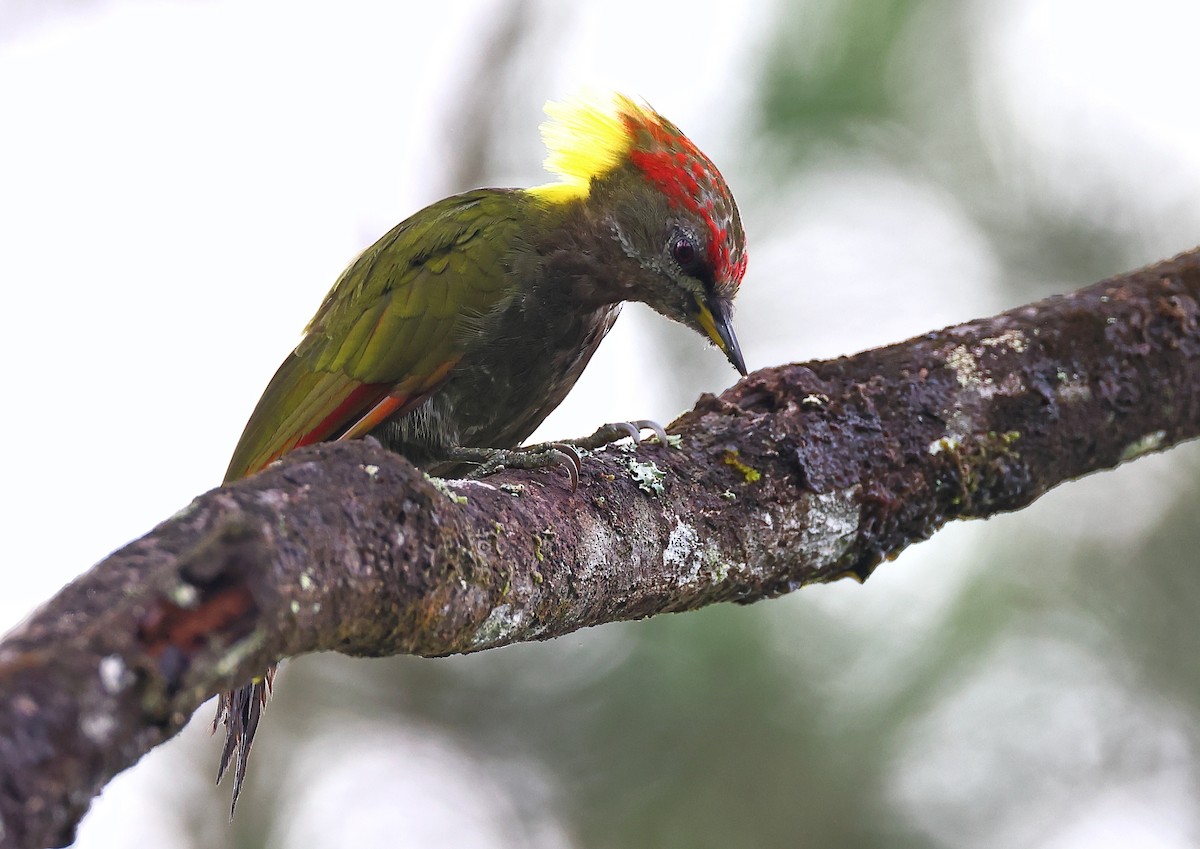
[797,474]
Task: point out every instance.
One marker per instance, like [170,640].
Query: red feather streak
[365,395]
[689,180]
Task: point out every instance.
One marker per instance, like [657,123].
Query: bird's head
[671,227]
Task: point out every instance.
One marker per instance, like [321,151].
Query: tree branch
[797,474]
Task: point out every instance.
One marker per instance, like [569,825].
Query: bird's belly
[500,391]
[502,399]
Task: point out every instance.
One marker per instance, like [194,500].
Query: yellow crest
[585,138]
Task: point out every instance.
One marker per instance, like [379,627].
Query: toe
[647,424]
[566,455]
[626,429]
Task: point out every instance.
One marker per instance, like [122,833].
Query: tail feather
[240,711]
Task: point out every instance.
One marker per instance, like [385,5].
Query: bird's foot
[491,460]
[552,454]
[616,431]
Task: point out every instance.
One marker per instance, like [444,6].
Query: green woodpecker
[453,336]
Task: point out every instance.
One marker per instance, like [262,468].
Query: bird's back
[393,328]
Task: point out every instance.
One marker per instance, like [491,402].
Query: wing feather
[390,330]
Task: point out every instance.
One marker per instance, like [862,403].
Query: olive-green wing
[390,330]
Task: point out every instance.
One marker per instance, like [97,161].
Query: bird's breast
[507,385]
[517,368]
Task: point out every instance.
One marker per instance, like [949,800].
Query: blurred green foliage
[830,68]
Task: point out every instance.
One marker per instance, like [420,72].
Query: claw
[569,457]
[647,424]
[630,429]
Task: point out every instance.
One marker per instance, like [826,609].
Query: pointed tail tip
[240,711]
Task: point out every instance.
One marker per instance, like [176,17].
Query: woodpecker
[453,336]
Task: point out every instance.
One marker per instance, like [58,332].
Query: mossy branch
[797,474]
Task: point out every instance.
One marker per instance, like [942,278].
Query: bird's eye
[683,251]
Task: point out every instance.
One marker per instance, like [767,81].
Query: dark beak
[718,324]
